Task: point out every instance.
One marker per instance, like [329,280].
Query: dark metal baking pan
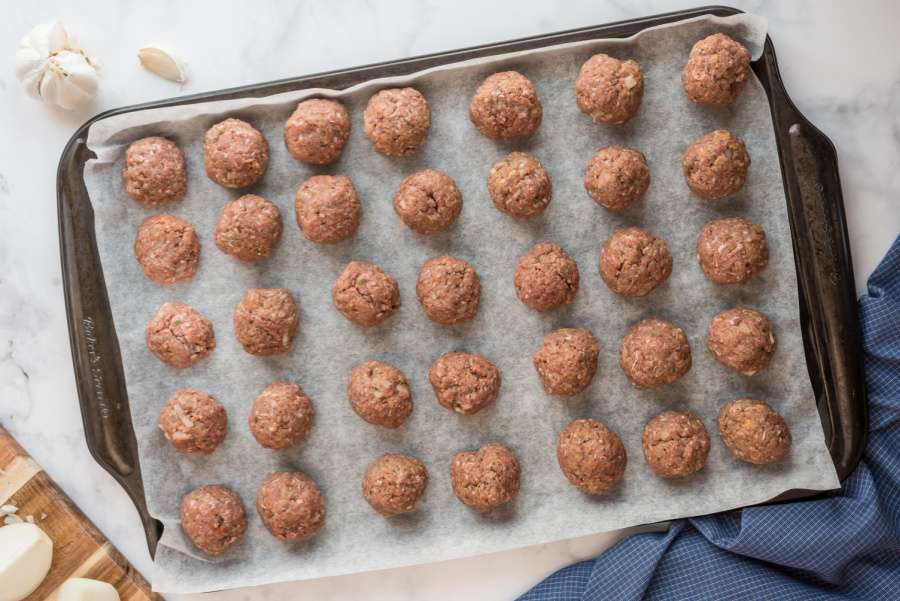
[828,309]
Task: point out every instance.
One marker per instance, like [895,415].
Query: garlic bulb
[54,69]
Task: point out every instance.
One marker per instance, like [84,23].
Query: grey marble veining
[840,62]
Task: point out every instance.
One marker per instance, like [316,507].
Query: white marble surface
[840,62]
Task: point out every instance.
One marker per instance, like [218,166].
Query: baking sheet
[340,446]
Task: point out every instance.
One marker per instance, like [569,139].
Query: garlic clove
[57,38]
[158,61]
[30,70]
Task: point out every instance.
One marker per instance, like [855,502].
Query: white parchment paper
[355,538]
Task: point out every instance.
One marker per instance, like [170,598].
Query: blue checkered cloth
[845,545]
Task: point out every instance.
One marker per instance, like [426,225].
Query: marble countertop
[840,62]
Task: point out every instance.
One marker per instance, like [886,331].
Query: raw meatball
[179,336]
[396,120]
[317,130]
[617,177]
[464,382]
[676,444]
[235,154]
[379,394]
[506,105]
[732,250]
[485,479]
[742,340]
[193,421]
[753,431]
[716,71]
[609,90]
[248,228]
[281,416]
[448,290]
[393,484]
[546,277]
[213,518]
[327,208]
[715,165]
[567,361]
[167,249]
[154,172]
[365,294]
[428,201]
[633,262]
[655,352]
[591,456]
[266,321]
[290,505]
[519,185]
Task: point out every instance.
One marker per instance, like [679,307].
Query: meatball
[519,185]
[633,262]
[448,290]
[193,421]
[609,90]
[379,394]
[396,120]
[464,382]
[248,229]
[567,361]
[393,484]
[290,505]
[617,177]
[317,130]
[213,518]
[742,340]
[154,173]
[327,208]
[716,71]
[167,249]
[753,431]
[180,336]
[235,153]
[485,479]
[654,352]
[676,444]
[732,250]
[365,294]
[506,105]
[281,416]
[715,165]
[546,277]
[591,456]
[428,201]
[266,321]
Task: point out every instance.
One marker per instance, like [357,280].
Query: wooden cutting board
[79,549]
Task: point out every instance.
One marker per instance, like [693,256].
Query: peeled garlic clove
[54,69]
[25,556]
[160,62]
[86,589]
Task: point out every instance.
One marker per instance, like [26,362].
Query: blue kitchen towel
[845,545]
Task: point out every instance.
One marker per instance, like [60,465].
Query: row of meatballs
[591,456]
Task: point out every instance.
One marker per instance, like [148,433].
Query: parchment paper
[355,538]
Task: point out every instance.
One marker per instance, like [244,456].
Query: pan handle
[829,311]
[95,348]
